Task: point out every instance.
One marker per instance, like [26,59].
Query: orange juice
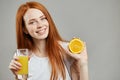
[24,62]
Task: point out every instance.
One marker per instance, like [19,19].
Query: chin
[43,37]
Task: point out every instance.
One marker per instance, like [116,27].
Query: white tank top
[39,69]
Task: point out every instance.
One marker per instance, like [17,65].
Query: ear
[25,30]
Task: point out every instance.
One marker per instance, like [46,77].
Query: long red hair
[52,46]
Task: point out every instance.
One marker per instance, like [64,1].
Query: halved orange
[76,45]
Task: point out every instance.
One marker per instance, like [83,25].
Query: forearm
[83,70]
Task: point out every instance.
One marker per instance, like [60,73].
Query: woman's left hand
[80,57]
[79,63]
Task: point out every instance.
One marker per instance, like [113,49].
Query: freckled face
[36,24]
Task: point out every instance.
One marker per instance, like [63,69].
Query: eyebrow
[35,18]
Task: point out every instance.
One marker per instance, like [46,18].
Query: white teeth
[41,31]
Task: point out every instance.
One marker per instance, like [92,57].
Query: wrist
[82,63]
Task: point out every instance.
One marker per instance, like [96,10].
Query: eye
[32,22]
[43,18]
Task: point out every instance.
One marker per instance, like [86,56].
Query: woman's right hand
[14,65]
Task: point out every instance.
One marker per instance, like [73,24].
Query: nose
[39,24]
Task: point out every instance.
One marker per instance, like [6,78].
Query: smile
[41,31]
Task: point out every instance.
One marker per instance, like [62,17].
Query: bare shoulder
[64,44]
[67,57]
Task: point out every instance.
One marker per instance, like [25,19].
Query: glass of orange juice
[23,60]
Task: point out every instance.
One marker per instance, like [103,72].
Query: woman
[50,57]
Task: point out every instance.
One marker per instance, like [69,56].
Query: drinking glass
[22,54]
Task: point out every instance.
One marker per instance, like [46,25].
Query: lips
[41,31]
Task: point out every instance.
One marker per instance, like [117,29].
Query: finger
[16,58]
[84,49]
[15,65]
[13,69]
[70,54]
[84,52]
[84,43]
[28,58]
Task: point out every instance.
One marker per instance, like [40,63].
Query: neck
[40,48]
